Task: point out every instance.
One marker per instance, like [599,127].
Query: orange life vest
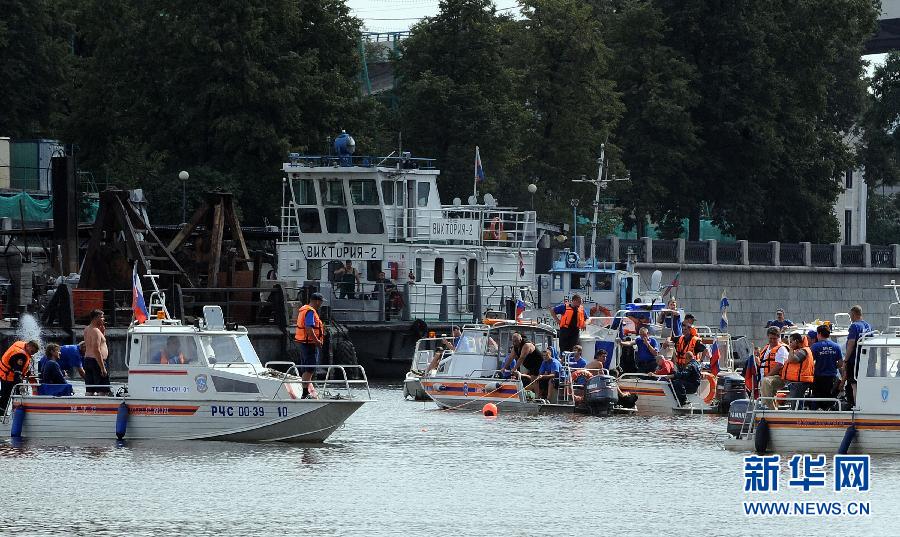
[7,368]
[318,329]
[767,358]
[800,372]
[684,346]
[566,320]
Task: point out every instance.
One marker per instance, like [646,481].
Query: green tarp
[39,210]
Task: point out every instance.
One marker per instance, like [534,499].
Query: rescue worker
[779,321]
[798,370]
[686,342]
[769,363]
[829,362]
[14,365]
[570,318]
[310,336]
[171,353]
[858,328]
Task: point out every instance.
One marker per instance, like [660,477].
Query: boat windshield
[472,342]
[229,349]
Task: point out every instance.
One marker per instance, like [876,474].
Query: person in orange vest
[171,353]
[769,363]
[686,342]
[799,368]
[310,335]
[14,366]
[570,318]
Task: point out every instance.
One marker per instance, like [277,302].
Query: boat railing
[463,225]
[293,375]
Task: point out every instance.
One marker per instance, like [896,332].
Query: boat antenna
[157,297]
[601,182]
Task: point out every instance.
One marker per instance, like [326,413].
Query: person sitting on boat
[53,382]
[687,379]
[799,369]
[646,349]
[349,278]
[779,321]
[670,318]
[457,334]
[769,363]
[435,361]
[597,366]
[523,354]
[829,362]
[171,353]
[546,382]
[664,366]
[570,317]
[576,360]
[686,342]
[14,366]
[72,357]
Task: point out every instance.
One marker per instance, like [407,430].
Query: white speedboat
[871,426]
[422,356]
[470,377]
[216,389]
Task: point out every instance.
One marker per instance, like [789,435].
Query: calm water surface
[400,467]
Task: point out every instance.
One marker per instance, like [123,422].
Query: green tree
[883,218]
[571,103]
[657,134]
[457,91]
[880,152]
[33,68]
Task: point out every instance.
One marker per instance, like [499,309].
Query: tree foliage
[880,153]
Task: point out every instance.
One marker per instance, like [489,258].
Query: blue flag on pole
[479,171]
[723,307]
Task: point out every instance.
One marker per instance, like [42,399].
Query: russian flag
[750,375]
[479,171]
[714,359]
[138,306]
[520,308]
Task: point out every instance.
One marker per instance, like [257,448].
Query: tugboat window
[387,191]
[313,269]
[372,270]
[363,192]
[305,191]
[369,221]
[602,282]
[424,190]
[418,269]
[309,220]
[438,269]
[557,282]
[169,350]
[577,281]
[337,221]
[400,190]
[332,192]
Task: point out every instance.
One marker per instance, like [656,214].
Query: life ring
[495,228]
[711,387]
[576,375]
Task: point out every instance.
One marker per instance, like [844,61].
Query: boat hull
[823,432]
[307,420]
[657,398]
[413,390]
[474,393]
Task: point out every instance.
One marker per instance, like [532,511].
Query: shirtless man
[96,376]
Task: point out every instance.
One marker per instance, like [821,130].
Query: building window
[848,223]
[438,270]
[848,179]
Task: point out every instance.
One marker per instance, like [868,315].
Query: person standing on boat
[858,328]
[770,362]
[686,342]
[671,318]
[310,335]
[14,367]
[523,354]
[570,318]
[96,374]
[829,363]
[779,321]
[349,278]
[799,368]
[646,350]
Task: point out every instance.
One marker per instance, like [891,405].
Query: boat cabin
[482,350]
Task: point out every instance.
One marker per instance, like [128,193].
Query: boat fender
[849,435]
[711,394]
[121,420]
[761,437]
[18,421]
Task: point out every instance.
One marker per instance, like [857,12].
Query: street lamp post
[532,188]
[184,176]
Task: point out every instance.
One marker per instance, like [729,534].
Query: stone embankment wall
[755,292]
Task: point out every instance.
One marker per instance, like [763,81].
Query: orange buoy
[489,410]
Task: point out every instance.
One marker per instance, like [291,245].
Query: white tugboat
[216,389]
[446,263]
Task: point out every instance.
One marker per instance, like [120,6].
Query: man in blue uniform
[548,376]
[72,357]
[779,321]
[858,328]
[829,361]
[646,349]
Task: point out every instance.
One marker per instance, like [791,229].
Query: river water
[404,468]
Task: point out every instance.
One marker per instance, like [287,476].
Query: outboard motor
[729,388]
[601,393]
[736,416]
